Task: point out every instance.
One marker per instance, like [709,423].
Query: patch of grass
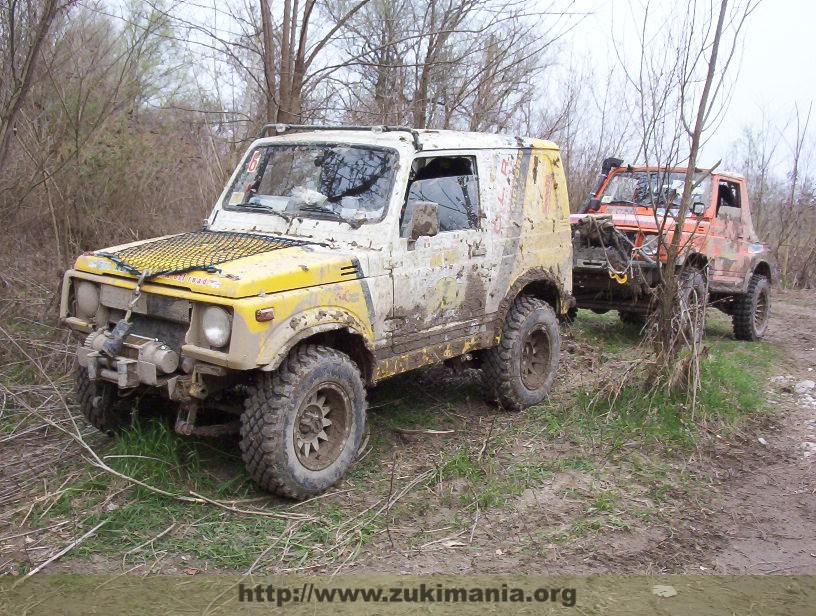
[606,331]
[462,463]
[732,387]
[202,535]
[493,481]
[602,503]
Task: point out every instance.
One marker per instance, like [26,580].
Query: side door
[725,237]
[439,293]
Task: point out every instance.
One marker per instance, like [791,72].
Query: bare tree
[685,57]
[471,65]
[24,27]
[297,54]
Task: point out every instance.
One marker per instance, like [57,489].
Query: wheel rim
[535,359]
[322,426]
[761,311]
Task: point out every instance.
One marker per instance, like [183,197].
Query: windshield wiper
[322,210]
[265,208]
[354,224]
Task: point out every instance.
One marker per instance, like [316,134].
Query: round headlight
[87,299]
[216,324]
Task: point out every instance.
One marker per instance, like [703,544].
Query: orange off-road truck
[617,247]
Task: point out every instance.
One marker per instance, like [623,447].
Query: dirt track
[757,514]
[768,509]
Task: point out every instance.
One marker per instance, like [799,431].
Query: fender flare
[549,281]
[765,267]
[306,324]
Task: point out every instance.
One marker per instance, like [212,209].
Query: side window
[728,196]
[451,183]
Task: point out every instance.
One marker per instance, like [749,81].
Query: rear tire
[519,372]
[752,311]
[101,404]
[302,424]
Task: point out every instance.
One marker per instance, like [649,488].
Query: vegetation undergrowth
[623,405]
[454,457]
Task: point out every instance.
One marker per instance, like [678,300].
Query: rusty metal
[186,423]
[186,417]
[231,427]
[381,128]
[535,358]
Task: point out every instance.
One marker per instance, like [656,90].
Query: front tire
[519,372]
[101,404]
[302,424]
[752,311]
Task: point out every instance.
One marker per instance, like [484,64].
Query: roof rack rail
[382,128]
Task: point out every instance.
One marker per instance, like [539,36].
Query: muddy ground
[449,485]
[755,515]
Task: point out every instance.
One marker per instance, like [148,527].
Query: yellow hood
[278,269]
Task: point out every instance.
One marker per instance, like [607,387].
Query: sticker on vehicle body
[100,265]
[253,162]
[213,283]
[619,210]
[236,198]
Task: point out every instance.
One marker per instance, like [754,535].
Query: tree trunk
[21,83]
[270,77]
[669,292]
[285,90]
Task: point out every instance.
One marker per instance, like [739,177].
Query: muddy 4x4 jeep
[616,246]
[334,258]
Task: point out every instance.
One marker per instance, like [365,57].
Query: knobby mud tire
[519,372]
[101,404]
[752,311]
[282,402]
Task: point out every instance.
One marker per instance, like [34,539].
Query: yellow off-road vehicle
[336,257]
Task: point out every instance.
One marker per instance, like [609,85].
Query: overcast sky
[778,68]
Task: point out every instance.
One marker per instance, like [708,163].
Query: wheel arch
[540,283]
[764,269]
[761,267]
[696,260]
[342,338]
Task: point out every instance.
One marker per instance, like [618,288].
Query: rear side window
[452,183]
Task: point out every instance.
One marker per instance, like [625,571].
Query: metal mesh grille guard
[198,250]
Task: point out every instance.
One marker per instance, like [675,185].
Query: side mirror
[424,220]
[698,208]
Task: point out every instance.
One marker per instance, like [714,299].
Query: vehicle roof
[429,139]
[733,175]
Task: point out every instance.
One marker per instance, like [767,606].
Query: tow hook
[113,345]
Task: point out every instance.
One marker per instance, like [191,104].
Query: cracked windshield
[652,189]
[327,182]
